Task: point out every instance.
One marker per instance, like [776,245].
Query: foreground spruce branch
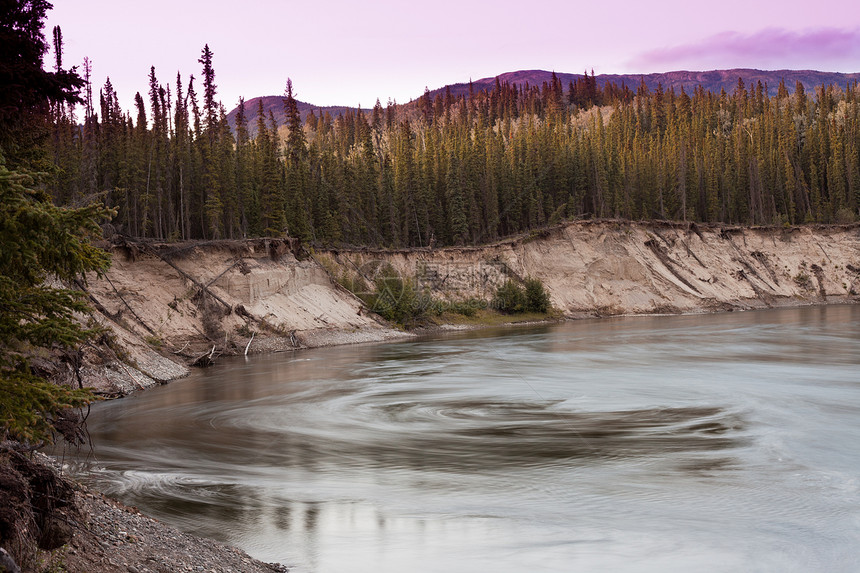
[42,248]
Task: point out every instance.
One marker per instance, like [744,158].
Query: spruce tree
[296,141]
[27,91]
[297,203]
[44,249]
[39,245]
[210,106]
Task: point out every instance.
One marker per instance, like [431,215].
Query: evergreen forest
[456,170]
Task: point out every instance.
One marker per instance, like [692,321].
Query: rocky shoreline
[63,525]
[114,537]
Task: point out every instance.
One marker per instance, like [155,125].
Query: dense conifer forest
[453,170]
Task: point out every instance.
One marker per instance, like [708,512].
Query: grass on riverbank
[492,317]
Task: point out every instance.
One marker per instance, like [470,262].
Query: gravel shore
[112,537]
[50,523]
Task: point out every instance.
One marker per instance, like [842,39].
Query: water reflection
[647,444]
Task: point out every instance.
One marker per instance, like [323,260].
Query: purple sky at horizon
[344,53]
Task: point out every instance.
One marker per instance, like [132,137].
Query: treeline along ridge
[466,169]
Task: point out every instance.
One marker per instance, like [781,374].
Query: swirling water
[686,443]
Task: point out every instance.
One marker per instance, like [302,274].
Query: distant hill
[275,104]
[714,80]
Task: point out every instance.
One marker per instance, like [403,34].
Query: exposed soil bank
[169,304]
[616,267]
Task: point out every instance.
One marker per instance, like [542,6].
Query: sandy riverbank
[167,303]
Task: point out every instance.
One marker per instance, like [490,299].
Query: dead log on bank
[206,359]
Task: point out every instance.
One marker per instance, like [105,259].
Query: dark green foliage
[209,89]
[512,298]
[395,299]
[536,297]
[40,244]
[469,307]
[27,92]
[43,248]
[509,298]
[354,283]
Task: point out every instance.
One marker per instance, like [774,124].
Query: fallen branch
[205,359]
[194,281]
[339,286]
[253,334]
[104,311]
[236,262]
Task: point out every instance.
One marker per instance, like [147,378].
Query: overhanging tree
[44,249]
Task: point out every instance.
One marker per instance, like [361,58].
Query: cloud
[820,48]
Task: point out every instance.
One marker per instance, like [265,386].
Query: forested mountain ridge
[717,80]
[275,105]
[450,169]
[713,80]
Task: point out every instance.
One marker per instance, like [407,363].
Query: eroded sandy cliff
[169,303]
[599,268]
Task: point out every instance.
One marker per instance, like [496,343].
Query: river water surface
[687,443]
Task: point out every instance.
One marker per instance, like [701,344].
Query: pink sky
[347,53]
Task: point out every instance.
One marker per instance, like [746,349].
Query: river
[726,442]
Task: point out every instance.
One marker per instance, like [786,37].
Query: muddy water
[696,443]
